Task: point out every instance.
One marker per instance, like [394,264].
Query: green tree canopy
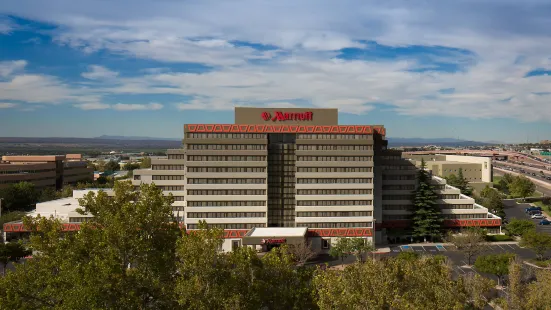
[20,196]
[521,187]
[131,166]
[11,252]
[460,182]
[537,242]
[518,227]
[112,166]
[146,163]
[497,264]
[427,217]
[491,199]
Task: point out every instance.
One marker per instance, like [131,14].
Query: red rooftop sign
[288,116]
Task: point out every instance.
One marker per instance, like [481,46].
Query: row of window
[334,192]
[167,177]
[334,213]
[226,192]
[171,188]
[397,207]
[224,214]
[448,196]
[398,177]
[25,171]
[78,219]
[226,203]
[399,187]
[463,216]
[228,226]
[312,147]
[176,156]
[226,181]
[334,169]
[455,206]
[398,167]
[226,169]
[332,137]
[30,180]
[225,158]
[331,181]
[335,225]
[168,167]
[335,158]
[256,147]
[391,157]
[209,135]
[334,203]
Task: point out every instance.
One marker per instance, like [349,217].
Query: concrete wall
[485,162]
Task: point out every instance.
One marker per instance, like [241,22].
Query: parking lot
[516,210]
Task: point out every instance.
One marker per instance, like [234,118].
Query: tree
[47,194]
[496,264]
[122,258]
[302,252]
[408,256]
[20,196]
[11,252]
[427,218]
[518,227]
[471,242]
[460,182]
[112,166]
[146,163]
[131,166]
[492,200]
[341,248]
[508,178]
[521,187]
[360,246]
[538,291]
[537,242]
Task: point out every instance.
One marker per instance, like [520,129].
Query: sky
[471,69]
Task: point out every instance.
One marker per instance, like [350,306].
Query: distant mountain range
[106,137]
[435,141]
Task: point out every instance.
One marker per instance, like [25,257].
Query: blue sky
[477,70]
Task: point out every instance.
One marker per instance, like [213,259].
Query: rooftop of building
[270,232]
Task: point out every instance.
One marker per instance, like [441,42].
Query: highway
[542,186]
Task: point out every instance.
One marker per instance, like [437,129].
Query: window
[226,192]
[167,167]
[228,226]
[307,203]
[167,177]
[334,169]
[399,177]
[397,197]
[334,136]
[226,169]
[225,214]
[334,192]
[171,188]
[246,203]
[226,181]
[236,147]
[312,147]
[235,245]
[325,243]
[335,158]
[334,181]
[176,156]
[196,135]
[335,225]
[225,158]
[399,187]
[334,213]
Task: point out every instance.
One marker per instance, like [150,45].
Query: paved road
[540,188]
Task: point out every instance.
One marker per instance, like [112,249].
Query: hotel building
[286,175]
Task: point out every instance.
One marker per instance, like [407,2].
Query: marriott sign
[288,116]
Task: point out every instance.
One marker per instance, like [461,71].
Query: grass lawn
[497,178]
[544,207]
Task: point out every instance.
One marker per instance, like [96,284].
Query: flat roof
[277,232]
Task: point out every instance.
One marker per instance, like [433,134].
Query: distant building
[476,169]
[45,171]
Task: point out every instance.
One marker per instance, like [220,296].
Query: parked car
[532,209]
[534,212]
[538,216]
[549,178]
[533,174]
[544,222]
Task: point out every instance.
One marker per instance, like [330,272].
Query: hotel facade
[297,168]
[288,175]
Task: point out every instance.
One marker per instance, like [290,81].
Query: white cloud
[8,68]
[7,105]
[99,73]
[302,66]
[137,107]
[92,106]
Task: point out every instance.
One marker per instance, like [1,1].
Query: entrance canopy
[275,235]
